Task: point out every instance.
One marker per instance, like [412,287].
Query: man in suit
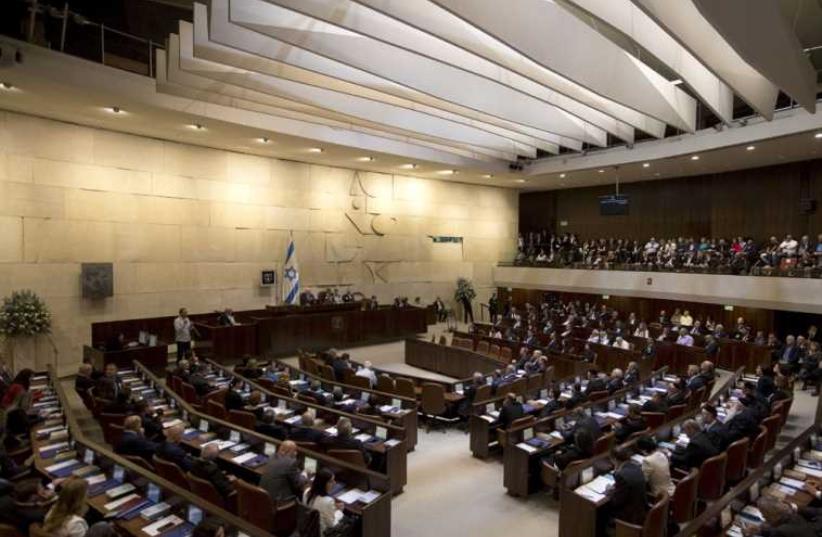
[268,425]
[781,521]
[616,381]
[711,347]
[694,380]
[315,390]
[741,421]
[83,381]
[656,403]
[204,467]
[345,439]
[676,394]
[633,422]
[170,449]
[109,385]
[789,355]
[133,441]
[699,448]
[282,478]
[628,491]
[583,421]
[716,431]
[511,410]
[339,363]
[306,431]
[233,400]
[596,383]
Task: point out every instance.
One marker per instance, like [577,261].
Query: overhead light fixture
[315,149]
[818,135]
[694,157]
[264,140]
[750,148]
[646,164]
[562,176]
[196,127]
[519,180]
[447,172]
[487,175]
[409,166]
[600,171]
[676,82]
[6,86]
[114,110]
[366,159]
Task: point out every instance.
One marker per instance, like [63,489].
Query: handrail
[715,508]
[79,437]
[192,412]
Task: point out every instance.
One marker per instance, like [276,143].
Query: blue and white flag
[291,274]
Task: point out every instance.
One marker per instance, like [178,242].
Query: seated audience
[628,494]
[25,502]
[65,518]
[170,449]
[268,426]
[366,371]
[344,439]
[511,410]
[655,467]
[632,423]
[83,381]
[699,449]
[319,497]
[133,442]
[282,478]
[306,431]
[206,468]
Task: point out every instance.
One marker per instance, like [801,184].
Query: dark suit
[233,400]
[718,434]
[83,384]
[677,398]
[790,526]
[595,385]
[741,425]
[306,434]
[208,470]
[510,412]
[108,387]
[711,350]
[339,366]
[282,479]
[568,455]
[698,450]
[652,406]
[346,442]
[696,382]
[271,429]
[550,407]
[628,497]
[614,385]
[586,422]
[630,426]
[152,427]
[174,453]
[135,444]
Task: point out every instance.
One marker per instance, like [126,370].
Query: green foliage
[465,290]
[24,314]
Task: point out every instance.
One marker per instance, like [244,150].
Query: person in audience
[268,426]
[83,381]
[694,380]
[511,410]
[183,328]
[789,356]
[344,439]
[198,380]
[255,404]
[632,374]
[17,403]
[621,343]
[665,334]
[685,338]
[711,347]
[719,332]
[632,423]
[780,520]
[697,329]
[741,421]
[150,420]
[340,364]
[205,467]
[596,383]
[25,502]
[367,371]
[781,391]
[811,373]
[226,318]
[577,397]
[582,421]
[170,449]
[655,467]
[752,399]
[580,448]
[319,497]
[109,385]
[588,353]
[685,320]
[627,494]
[616,382]
[133,441]
[642,331]
[554,403]
[306,431]
[252,370]
[233,399]
[282,478]
[657,403]
[676,393]
[715,430]
[699,449]
[65,518]
[121,404]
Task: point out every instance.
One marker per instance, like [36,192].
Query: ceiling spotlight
[366,159]
[676,82]
[695,157]
[410,166]
[818,135]
[196,127]
[600,171]
[114,109]
[315,149]
[519,180]
[6,86]
[750,148]
[488,175]
[562,176]
[264,140]
[447,172]
[646,164]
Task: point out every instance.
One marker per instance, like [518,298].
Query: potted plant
[464,294]
[23,316]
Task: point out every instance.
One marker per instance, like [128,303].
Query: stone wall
[192,226]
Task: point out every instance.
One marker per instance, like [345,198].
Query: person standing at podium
[182,333]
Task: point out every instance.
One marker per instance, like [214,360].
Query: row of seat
[485,348]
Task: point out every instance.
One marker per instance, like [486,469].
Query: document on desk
[364,437]
[391,443]
[487,418]
[556,434]
[60,465]
[164,524]
[111,506]
[586,492]
[171,423]
[244,457]
[793,483]
[52,447]
[332,431]
[293,420]
[601,483]
[350,496]
[527,448]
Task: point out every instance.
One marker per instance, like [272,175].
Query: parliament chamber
[410,268]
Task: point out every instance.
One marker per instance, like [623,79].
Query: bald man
[282,478]
[133,441]
[171,450]
[83,380]
[205,467]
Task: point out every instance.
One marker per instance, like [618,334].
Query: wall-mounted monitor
[613,205]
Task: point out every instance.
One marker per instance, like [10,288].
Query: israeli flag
[291,274]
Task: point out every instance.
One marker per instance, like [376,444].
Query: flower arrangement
[24,314]
[465,291]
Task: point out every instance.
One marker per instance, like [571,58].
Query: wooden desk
[227,342]
[450,361]
[155,357]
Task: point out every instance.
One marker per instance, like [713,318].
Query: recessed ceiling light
[315,149]
[818,135]
[519,180]
[366,159]
[750,148]
[196,127]
[676,82]
[600,171]
[264,140]
[6,86]
[409,166]
[447,172]
[646,164]
[695,157]
[562,176]
[115,110]
[488,175]
[657,174]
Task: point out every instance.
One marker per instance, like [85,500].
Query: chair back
[603,443]
[683,506]
[756,456]
[712,477]
[771,423]
[547,376]
[598,395]
[139,461]
[696,398]
[534,383]
[242,418]
[113,433]
[519,386]
[308,398]
[360,382]
[483,347]
[433,399]
[171,472]
[405,387]
[656,521]
[189,393]
[385,384]
[737,460]
[326,372]
[505,354]
[351,456]
[215,408]
[308,524]
[286,518]
[493,350]
[217,395]
[254,505]
[205,490]
[483,392]
[7,530]
[654,419]
[676,411]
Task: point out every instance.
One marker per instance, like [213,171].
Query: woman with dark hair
[319,497]
[19,386]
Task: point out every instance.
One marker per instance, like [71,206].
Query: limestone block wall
[193,226]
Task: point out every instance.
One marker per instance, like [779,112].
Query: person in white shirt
[685,338]
[655,467]
[685,319]
[603,337]
[182,334]
[319,497]
[367,372]
[788,246]
[594,337]
[621,343]
[642,331]
[65,518]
